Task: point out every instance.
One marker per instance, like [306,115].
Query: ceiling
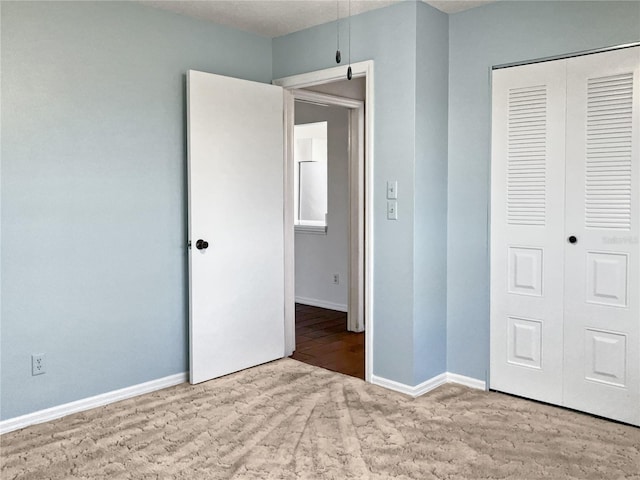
[274,18]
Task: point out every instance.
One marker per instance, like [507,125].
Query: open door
[236,230]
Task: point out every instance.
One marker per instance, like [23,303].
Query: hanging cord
[349,74]
[338,55]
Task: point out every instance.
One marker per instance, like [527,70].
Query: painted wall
[430,223]
[318,257]
[479,38]
[409,254]
[94,193]
[93,177]
[387,36]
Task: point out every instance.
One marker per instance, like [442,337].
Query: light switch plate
[392,189]
[392,210]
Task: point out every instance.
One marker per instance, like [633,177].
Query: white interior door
[527,216]
[602,288]
[236,287]
[565,233]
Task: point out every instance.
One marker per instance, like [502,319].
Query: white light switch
[392,189]
[392,210]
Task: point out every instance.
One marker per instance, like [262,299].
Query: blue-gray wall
[408,43]
[430,180]
[479,38]
[93,178]
[94,193]
[387,36]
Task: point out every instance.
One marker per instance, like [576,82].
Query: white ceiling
[274,18]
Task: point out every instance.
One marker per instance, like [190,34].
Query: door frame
[355,310]
[360,196]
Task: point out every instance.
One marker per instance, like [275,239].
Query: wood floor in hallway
[322,340]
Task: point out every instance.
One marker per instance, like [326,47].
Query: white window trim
[319,229]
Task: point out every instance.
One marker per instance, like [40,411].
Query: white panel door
[602,286]
[236,294]
[527,216]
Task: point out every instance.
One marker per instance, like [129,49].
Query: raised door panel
[527,215]
[602,315]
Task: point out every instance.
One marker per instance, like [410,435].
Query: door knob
[573,239]
[202,244]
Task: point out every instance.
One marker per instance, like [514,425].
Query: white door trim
[362,202]
[289,231]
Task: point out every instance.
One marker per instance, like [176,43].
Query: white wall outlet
[392,189]
[37,364]
[335,279]
[392,210]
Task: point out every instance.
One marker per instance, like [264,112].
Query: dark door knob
[202,244]
[573,239]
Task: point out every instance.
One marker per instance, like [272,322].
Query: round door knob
[202,244]
[573,239]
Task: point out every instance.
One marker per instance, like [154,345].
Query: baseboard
[322,304]
[466,381]
[428,385]
[59,411]
[415,391]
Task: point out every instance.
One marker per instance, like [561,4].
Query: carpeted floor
[288,420]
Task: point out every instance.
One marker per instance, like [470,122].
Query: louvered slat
[527,154]
[608,152]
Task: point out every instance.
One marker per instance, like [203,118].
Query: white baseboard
[428,385]
[59,411]
[466,381]
[322,304]
[415,391]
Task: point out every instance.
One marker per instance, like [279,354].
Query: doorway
[329,334]
[359,280]
[322,340]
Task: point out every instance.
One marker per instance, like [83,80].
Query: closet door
[602,235]
[527,230]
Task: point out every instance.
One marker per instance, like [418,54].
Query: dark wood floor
[322,340]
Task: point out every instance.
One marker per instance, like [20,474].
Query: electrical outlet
[336,278]
[37,364]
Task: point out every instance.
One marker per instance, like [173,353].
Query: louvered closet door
[602,288]
[527,230]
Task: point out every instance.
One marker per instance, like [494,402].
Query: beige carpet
[289,420]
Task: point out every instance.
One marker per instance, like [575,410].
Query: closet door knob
[202,244]
[573,239]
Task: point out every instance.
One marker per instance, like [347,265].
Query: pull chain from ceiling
[349,74]
[338,55]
